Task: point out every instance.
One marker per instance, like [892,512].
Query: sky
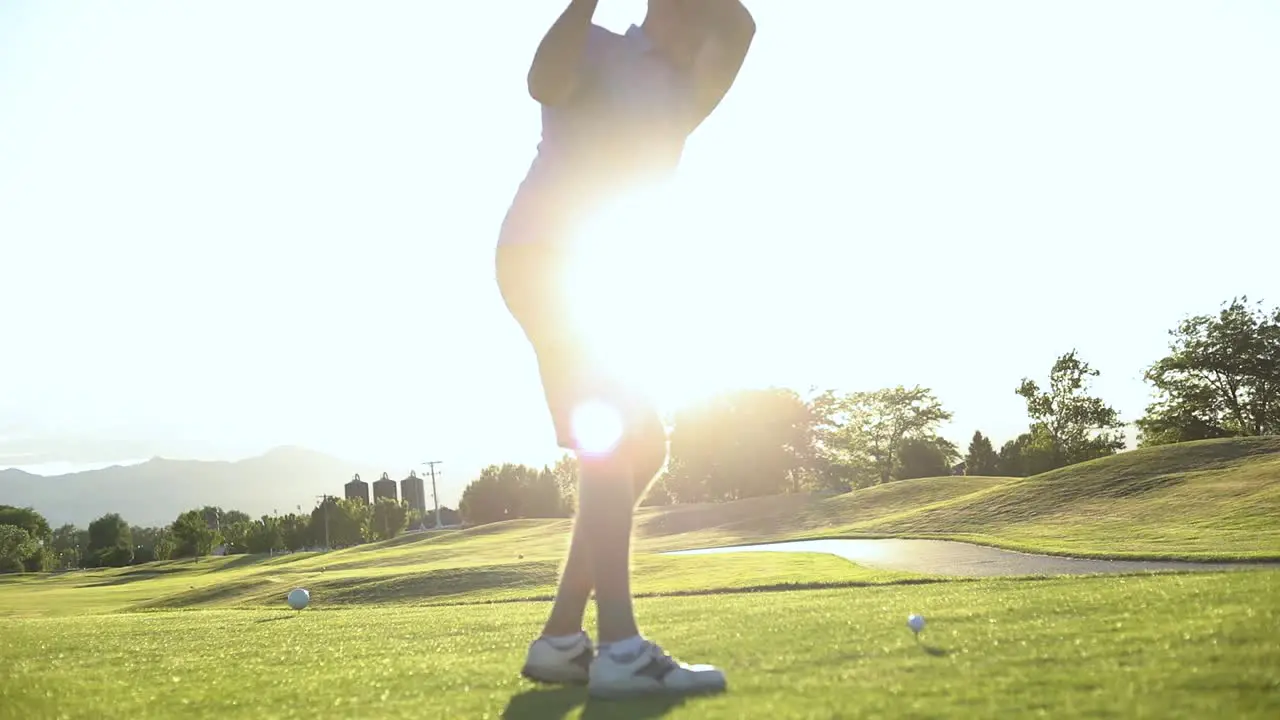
[230,226]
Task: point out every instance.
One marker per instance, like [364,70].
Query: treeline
[1220,378]
[28,544]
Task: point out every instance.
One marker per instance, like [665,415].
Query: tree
[231,517]
[264,536]
[27,519]
[982,458]
[1221,377]
[42,557]
[68,543]
[740,444]
[565,473]
[448,516]
[338,523]
[540,496]
[920,457]
[110,542]
[878,422]
[235,532]
[293,532]
[192,535]
[1078,426]
[16,545]
[510,491]
[150,544]
[212,515]
[1031,453]
[388,519]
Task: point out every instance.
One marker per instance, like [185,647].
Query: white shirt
[626,122]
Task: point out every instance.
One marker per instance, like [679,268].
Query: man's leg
[610,485]
[527,279]
[575,587]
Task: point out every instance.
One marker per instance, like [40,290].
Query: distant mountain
[155,492]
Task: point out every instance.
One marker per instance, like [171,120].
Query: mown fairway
[1169,646]
[437,624]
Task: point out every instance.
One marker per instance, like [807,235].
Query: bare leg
[605,502]
[575,586]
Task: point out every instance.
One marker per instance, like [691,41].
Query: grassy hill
[1216,499]
[1209,500]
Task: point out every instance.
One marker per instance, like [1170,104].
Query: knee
[641,452]
[646,452]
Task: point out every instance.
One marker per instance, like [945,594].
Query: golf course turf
[437,624]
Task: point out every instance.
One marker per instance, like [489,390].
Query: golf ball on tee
[916,623]
[298,598]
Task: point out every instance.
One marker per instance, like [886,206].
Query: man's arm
[730,30]
[554,73]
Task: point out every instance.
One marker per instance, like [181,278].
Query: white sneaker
[547,663]
[651,671]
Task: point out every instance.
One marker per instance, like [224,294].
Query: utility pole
[435,499]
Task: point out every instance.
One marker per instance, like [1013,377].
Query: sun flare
[642,280]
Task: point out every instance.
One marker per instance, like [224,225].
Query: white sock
[625,648]
[563,642]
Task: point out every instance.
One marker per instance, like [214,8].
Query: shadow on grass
[131,576]
[242,561]
[555,704]
[277,618]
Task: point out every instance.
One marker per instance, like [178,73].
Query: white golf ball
[298,598]
[916,623]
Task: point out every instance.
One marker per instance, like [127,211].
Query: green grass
[1217,499]
[1156,646]
[1208,500]
[360,576]
[438,622]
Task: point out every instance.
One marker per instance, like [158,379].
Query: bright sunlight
[650,293]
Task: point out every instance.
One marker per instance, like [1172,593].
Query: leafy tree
[338,522]
[27,519]
[741,444]
[920,457]
[231,517]
[110,542]
[294,531]
[212,515]
[540,496]
[192,535]
[565,473]
[448,516]
[68,543]
[1221,377]
[264,536]
[38,529]
[235,532]
[1031,453]
[982,458]
[876,424]
[833,463]
[1078,426]
[16,545]
[151,544]
[388,519]
[414,518]
[510,491]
